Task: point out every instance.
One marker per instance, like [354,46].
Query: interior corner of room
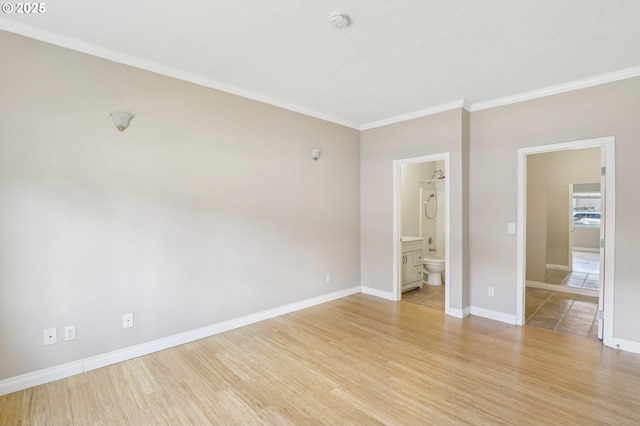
[212,211]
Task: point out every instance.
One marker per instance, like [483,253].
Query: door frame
[397,231]
[606,301]
[570,225]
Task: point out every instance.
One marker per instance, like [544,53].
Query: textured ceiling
[398,58]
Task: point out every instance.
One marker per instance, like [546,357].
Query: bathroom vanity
[411,263]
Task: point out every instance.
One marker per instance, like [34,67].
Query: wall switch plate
[50,336]
[511,228]
[328,278]
[70,332]
[127,320]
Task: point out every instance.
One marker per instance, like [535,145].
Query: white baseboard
[558,267]
[494,315]
[626,345]
[563,288]
[14,384]
[378,293]
[587,249]
[40,377]
[458,313]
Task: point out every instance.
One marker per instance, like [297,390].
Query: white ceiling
[398,59]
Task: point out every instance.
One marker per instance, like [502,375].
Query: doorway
[529,269]
[422,219]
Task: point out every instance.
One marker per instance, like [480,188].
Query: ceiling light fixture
[121,120]
[340,21]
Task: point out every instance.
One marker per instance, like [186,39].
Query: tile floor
[584,261]
[552,310]
[565,312]
[585,274]
[562,312]
[573,279]
[431,296]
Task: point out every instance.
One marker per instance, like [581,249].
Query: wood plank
[357,360]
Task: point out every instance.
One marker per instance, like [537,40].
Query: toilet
[433,270]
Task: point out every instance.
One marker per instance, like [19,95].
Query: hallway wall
[497,134]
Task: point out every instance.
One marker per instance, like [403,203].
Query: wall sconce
[315,153]
[121,120]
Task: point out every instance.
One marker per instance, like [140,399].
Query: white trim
[493,315]
[458,313]
[562,288]
[587,249]
[133,61]
[560,88]
[558,267]
[14,384]
[115,56]
[40,377]
[626,345]
[462,103]
[608,145]
[508,100]
[397,248]
[378,293]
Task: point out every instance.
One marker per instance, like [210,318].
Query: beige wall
[379,148]
[548,178]
[586,238]
[559,224]
[497,134]
[207,208]
[410,178]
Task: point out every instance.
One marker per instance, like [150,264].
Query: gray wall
[491,138]
[549,175]
[435,134]
[207,208]
[411,209]
[496,135]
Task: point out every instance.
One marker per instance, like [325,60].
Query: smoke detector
[340,21]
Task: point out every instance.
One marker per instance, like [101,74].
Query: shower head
[438,174]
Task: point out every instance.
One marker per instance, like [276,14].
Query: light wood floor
[357,360]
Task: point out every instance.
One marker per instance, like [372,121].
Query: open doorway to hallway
[562,287]
[567,300]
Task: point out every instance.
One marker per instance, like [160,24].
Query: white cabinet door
[411,265]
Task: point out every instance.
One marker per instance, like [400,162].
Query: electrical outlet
[127,320]
[70,332]
[50,336]
[491,291]
[328,278]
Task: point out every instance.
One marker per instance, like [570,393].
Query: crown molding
[133,61]
[560,88]
[462,103]
[115,56]
[508,100]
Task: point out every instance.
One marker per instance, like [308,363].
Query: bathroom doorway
[421,217]
[543,175]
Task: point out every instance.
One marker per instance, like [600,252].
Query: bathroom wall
[206,209]
[411,210]
[439,223]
